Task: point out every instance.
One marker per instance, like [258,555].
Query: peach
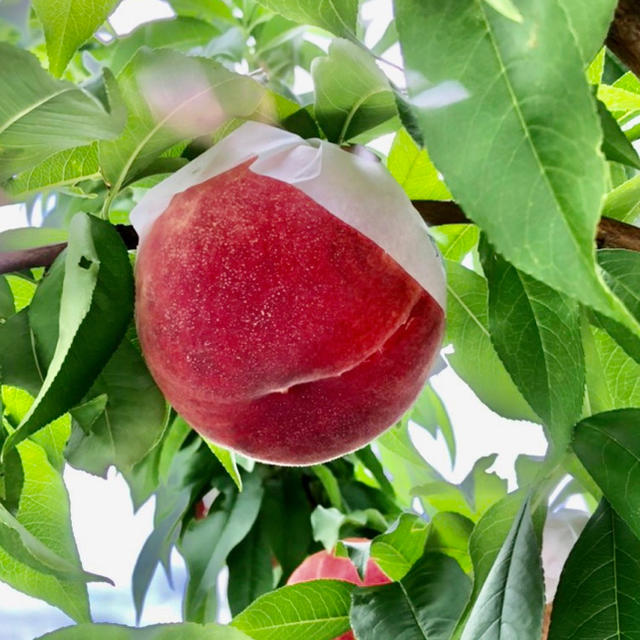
[329,566]
[275,328]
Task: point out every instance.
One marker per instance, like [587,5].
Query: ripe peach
[275,328]
[329,566]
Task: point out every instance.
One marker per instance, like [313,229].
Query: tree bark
[624,34]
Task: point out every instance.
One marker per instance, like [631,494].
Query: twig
[44,256]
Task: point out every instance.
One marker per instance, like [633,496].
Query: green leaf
[596,597]
[506,8]
[400,458]
[589,22]
[22,288]
[206,544]
[44,512]
[29,237]
[250,570]
[414,171]
[613,378]
[181,33]
[68,24]
[608,445]
[396,550]
[52,438]
[215,11]
[536,332]
[340,17]
[485,543]
[24,547]
[96,305]
[512,597]
[430,413]
[455,241]
[184,631]
[173,498]
[317,610]
[330,484]
[619,100]
[472,497]
[371,462]
[7,304]
[449,533]
[18,364]
[474,354]
[40,115]
[326,524]
[352,94]
[615,145]
[204,96]
[426,603]
[285,500]
[64,168]
[133,420]
[227,459]
[503,96]
[622,274]
[623,203]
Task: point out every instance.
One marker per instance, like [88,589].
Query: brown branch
[28,258]
[624,34]
[612,234]
[44,256]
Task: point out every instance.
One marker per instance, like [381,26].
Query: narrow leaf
[352,94]
[622,274]
[449,533]
[44,512]
[426,603]
[474,355]
[227,459]
[250,570]
[536,332]
[62,169]
[40,115]
[414,171]
[396,550]
[29,237]
[206,544]
[95,309]
[512,597]
[608,445]
[184,631]
[615,145]
[68,24]
[589,24]
[338,17]
[317,610]
[597,594]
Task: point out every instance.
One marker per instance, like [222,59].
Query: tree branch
[612,234]
[45,255]
[624,34]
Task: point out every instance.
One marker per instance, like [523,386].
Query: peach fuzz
[273,327]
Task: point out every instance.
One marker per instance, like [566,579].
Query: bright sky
[110,537]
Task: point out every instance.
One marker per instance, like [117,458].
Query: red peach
[329,566]
[273,327]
